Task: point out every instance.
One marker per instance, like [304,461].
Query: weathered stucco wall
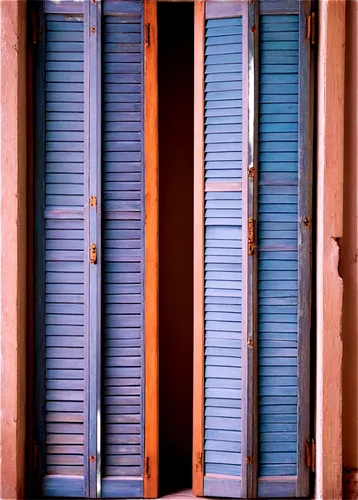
[13,247]
[349,258]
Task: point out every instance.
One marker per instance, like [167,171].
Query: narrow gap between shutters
[176,105]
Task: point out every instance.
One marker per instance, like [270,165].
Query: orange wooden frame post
[151,461]
[198,403]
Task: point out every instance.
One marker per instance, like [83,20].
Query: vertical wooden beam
[151,395]
[250,174]
[198,395]
[93,59]
[305,152]
[39,250]
[87,449]
[330,167]
[245,281]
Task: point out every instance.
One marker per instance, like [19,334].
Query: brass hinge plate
[147,467]
[310,454]
[93,253]
[251,236]
[199,462]
[249,460]
[311,28]
[93,201]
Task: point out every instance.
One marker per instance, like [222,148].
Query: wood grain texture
[151,250]
[198,403]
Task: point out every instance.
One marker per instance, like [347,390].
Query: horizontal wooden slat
[223,186]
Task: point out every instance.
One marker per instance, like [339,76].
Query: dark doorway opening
[176,107]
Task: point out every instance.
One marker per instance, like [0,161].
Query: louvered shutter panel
[284,246]
[90,192]
[252,255]
[222,250]
[123,252]
[64,296]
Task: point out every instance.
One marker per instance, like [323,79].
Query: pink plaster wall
[350,245]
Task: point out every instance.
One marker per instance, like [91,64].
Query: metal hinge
[93,201]
[311,28]
[93,253]
[251,236]
[34,28]
[310,454]
[147,467]
[249,460]
[35,454]
[199,462]
[147,34]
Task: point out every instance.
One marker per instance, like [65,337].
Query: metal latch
[251,236]
[311,28]
[93,253]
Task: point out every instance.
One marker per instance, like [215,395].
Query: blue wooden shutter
[257,249]
[62,297]
[123,252]
[284,248]
[222,252]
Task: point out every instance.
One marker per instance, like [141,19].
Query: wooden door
[252,254]
[96,333]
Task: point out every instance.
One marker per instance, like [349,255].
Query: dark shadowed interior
[176,105]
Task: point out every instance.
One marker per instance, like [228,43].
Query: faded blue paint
[123,251]
[223,253]
[277,245]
